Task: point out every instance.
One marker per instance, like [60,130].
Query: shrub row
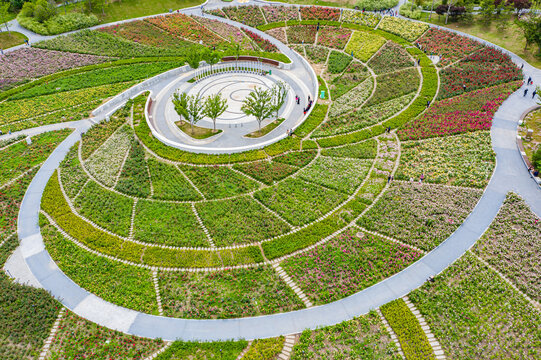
[316,117]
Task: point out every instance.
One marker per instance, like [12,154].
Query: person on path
[317,27]
[529,80]
[525,92]
[534,93]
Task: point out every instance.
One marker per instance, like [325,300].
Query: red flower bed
[320,13]
[186,28]
[468,112]
[486,67]
[449,46]
[265,45]
[143,32]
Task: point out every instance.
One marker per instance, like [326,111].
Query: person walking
[534,93]
[525,92]
[529,80]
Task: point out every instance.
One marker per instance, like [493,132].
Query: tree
[214,106]
[211,58]
[194,109]
[487,11]
[279,93]
[3,15]
[531,27]
[258,104]
[193,58]
[180,102]
[44,10]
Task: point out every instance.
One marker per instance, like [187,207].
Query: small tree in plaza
[211,58]
[214,106]
[180,101]
[190,107]
[193,58]
[259,105]
[279,93]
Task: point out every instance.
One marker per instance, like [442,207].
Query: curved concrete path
[509,175]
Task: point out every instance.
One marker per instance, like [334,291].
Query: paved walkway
[509,175]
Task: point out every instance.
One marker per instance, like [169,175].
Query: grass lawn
[265,130]
[129,9]
[198,132]
[8,40]
[532,121]
[511,38]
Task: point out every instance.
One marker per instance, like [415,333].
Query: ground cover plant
[280,13]
[333,37]
[364,44]
[99,133]
[354,74]
[338,62]
[353,99]
[363,150]
[106,208]
[249,15]
[391,57]
[486,67]
[475,314]
[330,171]
[30,63]
[316,54]
[225,294]
[449,46]
[296,158]
[511,245]
[394,85]
[418,214]
[169,183]
[77,338]
[226,31]
[299,202]
[218,181]
[185,27]
[364,337]
[21,156]
[72,175]
[239,221]
[320,13]
[168,224]
[301,34]
[409,30]
[278,33]
[134,177]
[125,285]
[264,44]
[263,349]
[469,112]
[266,171]
[462,160]
[347,264]
[362,18]
[226,350]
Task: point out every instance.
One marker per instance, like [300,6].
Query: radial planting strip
[288,347]
[391,332]
[49,340]
[292,285]
[438,351]
[157,289]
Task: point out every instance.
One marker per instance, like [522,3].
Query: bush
[536,159]
[407,11]
[372,5]
[57,24]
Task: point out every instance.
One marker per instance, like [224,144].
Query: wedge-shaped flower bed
[337,173]
[512,245]
[100,132]
[280,13]
[265,171]
[134,177]
[486,67]
[391,57]
[278,33]
[316,54]
[320,13]
[297,158]
[169,183]
[30,63]
[364,44]
[353,99]
[205,350]
[249,15]
[226,31]
[450,47]
[218,181]
[406,29]
[362,18]
[106,162]
[395,84]
[347,264]
[106,208]
[301,34]
[300,202]
[474,314]
[362,337]
[125,285]
[239,221]
[469,112]
[264,44]
[462,160]
[333,37]
[338,62]
[226,294]
[72,175]
[100,43]
[77,338]
[355,74]
[187,28]
[420,215]
[20,157]
[362,118]
[143,32]
[314,119]
[364,150]
[168,224]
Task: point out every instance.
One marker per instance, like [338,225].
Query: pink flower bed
[228,32]
[320,13]
[143,32]
[486,67]
[185,27]
[280,13]
[333,37]
[449,46]
[265,45]
[469,112]
[30,63]
[249,15]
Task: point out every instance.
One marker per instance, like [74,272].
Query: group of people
[528,83]
[310,101]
